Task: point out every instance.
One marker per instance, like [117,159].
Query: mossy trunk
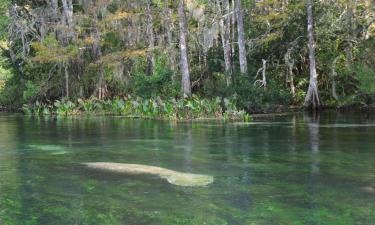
[312,97]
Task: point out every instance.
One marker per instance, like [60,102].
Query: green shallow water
[294,169]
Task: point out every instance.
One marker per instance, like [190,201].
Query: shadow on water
[290,169]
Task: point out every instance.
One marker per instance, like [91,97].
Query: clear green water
[289,170]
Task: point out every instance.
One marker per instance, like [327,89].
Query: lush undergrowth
[181,109]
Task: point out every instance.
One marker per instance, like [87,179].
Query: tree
[185,82]
[224,22]
[241,37]
[312,97]
[108,49]
[151,37]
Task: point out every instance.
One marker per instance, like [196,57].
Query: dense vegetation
[74,56]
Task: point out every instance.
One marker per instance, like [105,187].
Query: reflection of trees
[312,121]
[188,147]
[293,138]
[265,144]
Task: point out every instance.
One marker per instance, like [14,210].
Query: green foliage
[31,91]
[159,83]
[4,19]
[257,99]
[113,42]
[366,79]
[11,96]
[5,71]
[65,108]
[181,109]
[50,50]
[38,109]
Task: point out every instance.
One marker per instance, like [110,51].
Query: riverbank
[193,108]
[184,109]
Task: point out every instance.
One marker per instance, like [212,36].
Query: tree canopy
[255,52]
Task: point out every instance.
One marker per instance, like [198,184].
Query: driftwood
[173,177]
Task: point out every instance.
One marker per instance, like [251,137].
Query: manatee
[368,189]
[52,149]
[47,147]
[173,177]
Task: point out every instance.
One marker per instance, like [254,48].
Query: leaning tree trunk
[312,96]
[241,37]
[185,82]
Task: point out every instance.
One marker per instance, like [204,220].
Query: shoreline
[281,111]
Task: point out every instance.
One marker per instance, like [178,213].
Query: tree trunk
[350,33]
[67,20]
[66,80]
[312,96]
[55,6]
[185,83]
[171,45]
[333,77]
[263,69]
[227,48]
[225,37]
[241,37]
[370,16]
[81,66]
[289,61]
[234,28]
[151,38]
[68,12]
[101,89]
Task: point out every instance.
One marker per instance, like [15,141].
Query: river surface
[292,169]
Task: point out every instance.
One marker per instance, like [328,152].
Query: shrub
[184,108]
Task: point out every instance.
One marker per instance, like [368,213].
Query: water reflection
[312,121]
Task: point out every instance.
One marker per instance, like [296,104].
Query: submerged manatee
[369,189]
[173,177]
[52,149]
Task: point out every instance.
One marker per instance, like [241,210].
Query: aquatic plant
[65,108]
[37,109]
[175,109]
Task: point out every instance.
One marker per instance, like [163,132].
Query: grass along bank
[155,108]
